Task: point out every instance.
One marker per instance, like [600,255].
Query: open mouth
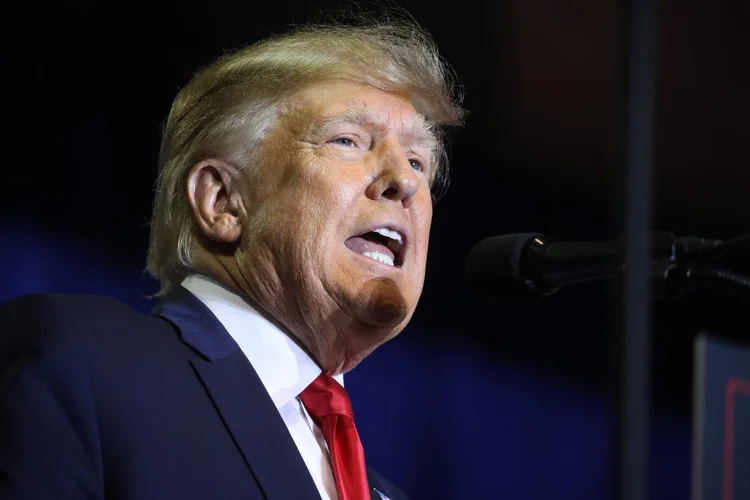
[382,244]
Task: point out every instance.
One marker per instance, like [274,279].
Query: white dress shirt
[283,367]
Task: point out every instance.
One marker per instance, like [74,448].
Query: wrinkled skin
[343,159]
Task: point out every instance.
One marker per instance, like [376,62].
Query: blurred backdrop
[474,399]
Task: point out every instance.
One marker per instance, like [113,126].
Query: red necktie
[329,406]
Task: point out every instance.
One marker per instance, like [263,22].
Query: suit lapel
[256,427]
[240,400]
[377,489]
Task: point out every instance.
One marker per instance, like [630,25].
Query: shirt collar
[284,368]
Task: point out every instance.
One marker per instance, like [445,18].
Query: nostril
[391,193]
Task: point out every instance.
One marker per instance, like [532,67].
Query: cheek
[317,216]
[322,184]
[331,195]
[423,217]
[327,206]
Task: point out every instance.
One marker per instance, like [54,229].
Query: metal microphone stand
[696,264]
[633,349]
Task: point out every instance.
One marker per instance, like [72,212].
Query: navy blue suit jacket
[98,401]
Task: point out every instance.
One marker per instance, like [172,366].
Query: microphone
[533,265]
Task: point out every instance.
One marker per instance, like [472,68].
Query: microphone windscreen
[494,267]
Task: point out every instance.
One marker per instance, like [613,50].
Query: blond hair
[227,108]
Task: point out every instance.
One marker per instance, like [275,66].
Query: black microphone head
[495,267]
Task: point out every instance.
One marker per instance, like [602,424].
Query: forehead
[346,102]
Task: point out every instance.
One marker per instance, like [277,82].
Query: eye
[343,141]
[416,164]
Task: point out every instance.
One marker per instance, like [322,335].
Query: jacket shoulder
[35,325]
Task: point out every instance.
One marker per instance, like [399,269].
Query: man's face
[337,219]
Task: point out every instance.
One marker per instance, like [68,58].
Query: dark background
[474,400]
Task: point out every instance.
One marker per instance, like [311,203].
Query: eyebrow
[417,132]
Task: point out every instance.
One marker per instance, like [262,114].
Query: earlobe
[227,229]
[210,192]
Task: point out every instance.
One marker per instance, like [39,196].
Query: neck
[226,271]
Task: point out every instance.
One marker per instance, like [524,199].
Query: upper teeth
[388,233]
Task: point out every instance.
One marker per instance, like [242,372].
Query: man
[289,235]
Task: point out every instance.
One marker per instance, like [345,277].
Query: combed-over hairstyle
[226,109]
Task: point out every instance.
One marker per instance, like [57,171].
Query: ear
[212,193]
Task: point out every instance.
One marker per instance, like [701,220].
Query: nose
[394,179]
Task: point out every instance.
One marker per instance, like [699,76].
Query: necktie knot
[326,397]
[329,406]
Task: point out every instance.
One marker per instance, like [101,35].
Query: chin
[351,360]
[344,367]
[367,315]
[362,343]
